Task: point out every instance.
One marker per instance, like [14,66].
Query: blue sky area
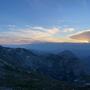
[69,15]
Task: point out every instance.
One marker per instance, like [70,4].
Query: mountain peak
[67,53]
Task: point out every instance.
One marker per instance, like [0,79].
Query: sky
[28,21]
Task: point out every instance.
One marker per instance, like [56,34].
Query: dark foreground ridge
[22,69]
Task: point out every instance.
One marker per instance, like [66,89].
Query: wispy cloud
[31,34]
[24,35]
[11,26]
[69,30]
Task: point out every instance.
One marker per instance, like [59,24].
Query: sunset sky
[28,21]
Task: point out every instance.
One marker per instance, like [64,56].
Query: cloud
[32,34]
[69,30]
[38,28]
[53,31]
[83,35]
[11,26]
[28,35]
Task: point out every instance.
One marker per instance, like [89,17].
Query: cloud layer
[30,34]
[83,35]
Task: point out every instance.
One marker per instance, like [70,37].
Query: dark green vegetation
[21,69]
[36,81]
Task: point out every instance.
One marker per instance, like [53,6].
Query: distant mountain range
[81,50]
[46,47]
[25,64]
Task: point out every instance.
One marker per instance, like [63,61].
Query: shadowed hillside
[22,68]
